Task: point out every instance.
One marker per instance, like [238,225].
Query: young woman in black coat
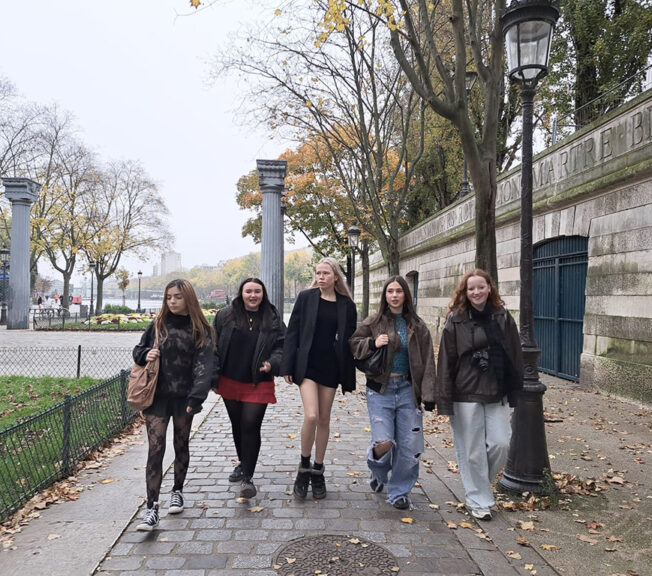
[317,357]
[249,335]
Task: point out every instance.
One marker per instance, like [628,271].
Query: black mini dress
[322,361]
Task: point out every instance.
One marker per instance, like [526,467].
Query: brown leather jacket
[458,380]
[420,351]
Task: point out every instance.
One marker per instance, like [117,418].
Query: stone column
[22,193]
[271,178]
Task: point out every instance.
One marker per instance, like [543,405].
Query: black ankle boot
[302,483]
[318,483]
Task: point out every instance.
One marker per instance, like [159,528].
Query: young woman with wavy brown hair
[182,339]
[479,373]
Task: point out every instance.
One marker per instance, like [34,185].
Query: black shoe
[318,483]
[402,503]
[247,488]
[149,521]
[237,475]
[376,486]
[302,483]
[176,502]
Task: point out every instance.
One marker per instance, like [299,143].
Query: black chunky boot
[302,483]
[318,483]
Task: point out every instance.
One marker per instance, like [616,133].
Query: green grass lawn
[21,396]
[40,450]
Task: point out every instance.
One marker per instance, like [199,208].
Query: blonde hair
[340,286]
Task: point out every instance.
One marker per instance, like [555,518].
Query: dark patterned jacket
[185,370]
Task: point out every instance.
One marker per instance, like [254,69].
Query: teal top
[401,360]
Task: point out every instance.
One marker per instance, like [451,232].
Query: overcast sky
[134,73]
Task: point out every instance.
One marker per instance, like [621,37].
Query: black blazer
[301,330]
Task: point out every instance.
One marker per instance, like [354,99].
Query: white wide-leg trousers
[481,433]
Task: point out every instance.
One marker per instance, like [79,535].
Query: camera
[480,359]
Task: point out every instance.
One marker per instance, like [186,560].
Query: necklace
[251,322]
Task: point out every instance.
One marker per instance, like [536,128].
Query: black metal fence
[42,449]
[70,362]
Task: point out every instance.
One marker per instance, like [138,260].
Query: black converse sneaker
[176,502]
[150,520]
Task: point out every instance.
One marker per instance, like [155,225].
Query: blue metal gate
[559,286]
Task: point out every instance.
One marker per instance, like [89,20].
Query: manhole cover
[334,556]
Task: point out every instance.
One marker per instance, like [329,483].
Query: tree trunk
[393,256]
[65,295]
[484,182]
[99,296]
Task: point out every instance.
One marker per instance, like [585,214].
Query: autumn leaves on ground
[599,450]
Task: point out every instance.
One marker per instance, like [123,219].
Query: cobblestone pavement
[216,534]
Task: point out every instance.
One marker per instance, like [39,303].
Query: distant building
[156,270]
[170,262]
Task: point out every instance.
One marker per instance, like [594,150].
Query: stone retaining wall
[596,183]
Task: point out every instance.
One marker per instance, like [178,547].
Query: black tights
[156,431]
[246,421]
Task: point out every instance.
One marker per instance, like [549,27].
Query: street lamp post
[528,27]
[4,256]
[469,81]
[91,265]
[139,277]
[353,234]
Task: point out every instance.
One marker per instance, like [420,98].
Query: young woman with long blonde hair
[317,358]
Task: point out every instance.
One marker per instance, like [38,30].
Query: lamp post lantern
[139,277]
[469,81]
[527,27]
[91,265]
[353,234]
[4,256]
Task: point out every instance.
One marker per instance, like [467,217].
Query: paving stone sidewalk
[217,535]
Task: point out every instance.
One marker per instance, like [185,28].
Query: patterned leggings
[156,431]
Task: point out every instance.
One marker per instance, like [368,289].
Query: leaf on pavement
[587,539]
[514,555]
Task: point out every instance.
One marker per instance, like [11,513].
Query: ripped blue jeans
[393,416]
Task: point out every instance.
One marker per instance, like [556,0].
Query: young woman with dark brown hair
[181,337]
[394,398]
[249,335]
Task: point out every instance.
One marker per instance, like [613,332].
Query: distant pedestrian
[183,339]
[249,337]
[394,398]
[317,357]
[480,370]
[39,301]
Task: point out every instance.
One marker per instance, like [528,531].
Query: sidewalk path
[217,535]
[601,438]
